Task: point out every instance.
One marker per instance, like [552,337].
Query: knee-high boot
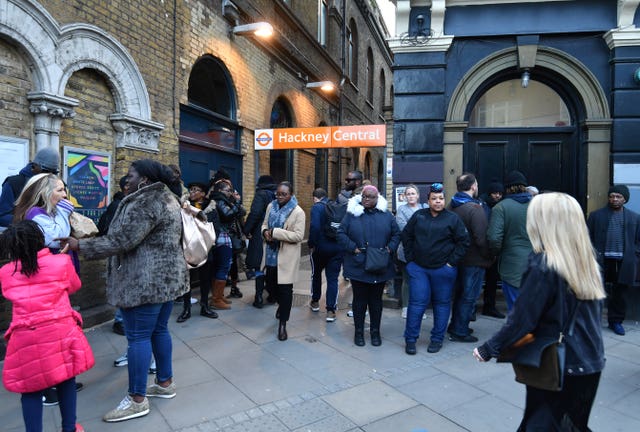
[218,295]
[259,289]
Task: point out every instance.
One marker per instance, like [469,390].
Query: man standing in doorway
[474,215]
[353,182]
[615,234]
[507,235]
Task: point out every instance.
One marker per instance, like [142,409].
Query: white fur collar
[356,208]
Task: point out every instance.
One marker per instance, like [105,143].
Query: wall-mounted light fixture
[325,86]
[259,29]
[419,35]
[525,78]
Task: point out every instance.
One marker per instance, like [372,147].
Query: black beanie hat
[496,186]
[515,178]
[622,190]
[265,180]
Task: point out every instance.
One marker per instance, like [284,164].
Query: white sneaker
[424,316]
[121,361]
[350,313]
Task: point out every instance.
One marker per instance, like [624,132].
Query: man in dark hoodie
[265,193]
[507,234]
[46,160]
[474,214]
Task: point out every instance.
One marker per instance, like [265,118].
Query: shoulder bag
[82,226]
[198,236]
[538,361]
[376,260]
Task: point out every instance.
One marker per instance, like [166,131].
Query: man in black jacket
[615,234]
[474,215]
[46,160]
[265,193]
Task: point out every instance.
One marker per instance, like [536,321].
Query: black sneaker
[50,397]
[434,347]
[467,338]
[410,348]
[118,328]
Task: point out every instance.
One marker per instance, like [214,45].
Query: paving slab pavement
[233,375]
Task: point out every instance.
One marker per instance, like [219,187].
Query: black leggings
[367,294]
[552,411]
[283,293]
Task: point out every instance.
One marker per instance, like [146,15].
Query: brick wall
[15,118]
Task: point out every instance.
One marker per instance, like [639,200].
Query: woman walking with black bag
[562,282]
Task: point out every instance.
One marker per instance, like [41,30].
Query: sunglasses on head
[437,187]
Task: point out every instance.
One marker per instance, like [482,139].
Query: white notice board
[14,155]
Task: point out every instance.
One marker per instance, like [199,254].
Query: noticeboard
[14,155]
[87,175]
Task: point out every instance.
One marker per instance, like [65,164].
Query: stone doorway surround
[595,126]
[55,52]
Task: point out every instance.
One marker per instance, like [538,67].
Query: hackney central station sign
[320,137]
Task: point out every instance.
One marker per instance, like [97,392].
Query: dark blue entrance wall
[625,96]
[535,17]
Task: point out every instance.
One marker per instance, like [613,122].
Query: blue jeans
[469,282]
[331,266]
[32,407]
[146,329]
[221,264]
[510,294]
[426,286]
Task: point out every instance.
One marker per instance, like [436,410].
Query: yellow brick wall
[15,82]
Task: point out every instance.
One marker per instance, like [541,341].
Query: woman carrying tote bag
[562,271]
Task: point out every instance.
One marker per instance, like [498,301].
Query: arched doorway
[589,133]
[209,132]
[530,129]
[281,161]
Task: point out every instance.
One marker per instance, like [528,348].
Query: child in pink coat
[45,343]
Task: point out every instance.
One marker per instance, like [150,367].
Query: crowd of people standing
[445,254]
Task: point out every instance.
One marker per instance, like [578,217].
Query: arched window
[209,117]
[281,161]
[508,104]
[367,166]
[370,75]
[383,90]
[352,52]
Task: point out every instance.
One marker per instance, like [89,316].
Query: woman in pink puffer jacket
[45,343]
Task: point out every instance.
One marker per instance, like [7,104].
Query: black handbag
[539,361]
[376,260]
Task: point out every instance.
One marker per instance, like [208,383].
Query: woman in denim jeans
[145,273]
[434,241]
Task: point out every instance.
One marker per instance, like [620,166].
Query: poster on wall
[86,174]
[14,155]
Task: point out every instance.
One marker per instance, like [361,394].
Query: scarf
[277,217]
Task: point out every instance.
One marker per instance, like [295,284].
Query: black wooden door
[548,158]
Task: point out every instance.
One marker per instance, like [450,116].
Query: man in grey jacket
[474,215]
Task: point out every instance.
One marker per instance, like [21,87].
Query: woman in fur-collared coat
[146,272]
[367,224]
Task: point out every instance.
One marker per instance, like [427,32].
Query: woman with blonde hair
[44,200]
[562,278]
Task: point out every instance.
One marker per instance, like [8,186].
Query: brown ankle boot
[212,298]
[218,302]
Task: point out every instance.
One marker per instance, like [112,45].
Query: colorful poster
[87,177]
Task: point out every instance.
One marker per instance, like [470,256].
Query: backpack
[335,212]
[198,236]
